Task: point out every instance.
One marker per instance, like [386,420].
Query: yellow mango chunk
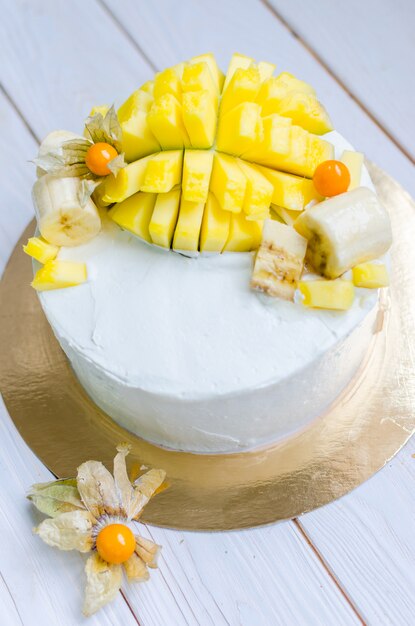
[138,101]
[275,89]
[197,169]
[164,171]
[370,275]
[327,294]
[243,87]
[127,181]
[164,218]
[283,215]
[59,275]
[187,233]
[354,163]
[167,81]
[215,226]
[228,183]
[165,119]
[239,129]
[148,87]
[198,77]
[199,117]
[134,214]
[290,191]
[99,108]
[306,111]
[318,150]
[237,61]
[265,70]
[258,193]
[98,196]
[244,235]
[39,249]
[137,139]
[217,75]
[274,140]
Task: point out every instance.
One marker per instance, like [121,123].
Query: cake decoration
[93,514]
[196,161]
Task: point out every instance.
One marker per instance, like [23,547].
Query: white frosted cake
[182,351]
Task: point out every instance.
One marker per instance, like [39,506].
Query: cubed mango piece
[197,169]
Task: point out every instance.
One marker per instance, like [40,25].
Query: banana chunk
[64,216]
[279,261]
[345,230]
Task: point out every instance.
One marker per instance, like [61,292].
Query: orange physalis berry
[115,543]
[331,178]
[98,156]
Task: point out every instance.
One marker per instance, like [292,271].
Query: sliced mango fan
[93,513]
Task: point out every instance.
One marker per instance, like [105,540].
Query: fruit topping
[370,275]
[98,156]
[331,178]
[327,294]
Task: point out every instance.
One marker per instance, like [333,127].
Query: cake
[221,290]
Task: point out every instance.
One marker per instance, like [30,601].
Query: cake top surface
[186,326]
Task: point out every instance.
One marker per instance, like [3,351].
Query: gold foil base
[369,423]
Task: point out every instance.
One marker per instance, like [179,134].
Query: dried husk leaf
[96,487]
[117,164]
[122,481]
[86,190]
[136,569]
[68,531]
[147,550]
[56,497]
[50,163]
[103,583]
[144,488]
[106,129]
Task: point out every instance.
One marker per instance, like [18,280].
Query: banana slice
[52,143]
[345,230]
[65,216]
[279,261]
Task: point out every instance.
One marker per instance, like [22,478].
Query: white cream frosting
[181,351]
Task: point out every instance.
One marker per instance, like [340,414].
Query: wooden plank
[370,47]
[169,32]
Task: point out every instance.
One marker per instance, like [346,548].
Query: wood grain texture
[370,46]
[257,577]
[169,32]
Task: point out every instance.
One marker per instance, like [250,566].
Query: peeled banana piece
[345,230]
[65,216]
[279,261]
[53,143]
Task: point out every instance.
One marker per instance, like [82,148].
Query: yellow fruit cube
[127,181]
[164,171]
[237,61]
[306,111]
[198,77]
[239,129]
[283,215]
[199,117]
[138,101]
[215,226]
[164,218]
[327,294]
[228,183]
[290,191]
[370,275]
[137,139]
[59,275]
[148,87]
[39,249]
[187,233]
[243,87]
[265,70]
[98,196]
[258,193]
[165,119]
[354,163]
[197,169]
[244,235]
[217,75]
[275,89]
[99,108]
[134,214]
[274,140]
[318,150]
[167,81]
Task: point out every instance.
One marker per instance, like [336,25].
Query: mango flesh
[215,226]
[163,172]
[167,82]
[228,183]
[258,194]
[187,233]
[165,119]
[370,275]
[273,140]
[199,118]
[244,235]
[197,169]
[127,182]
[164,218]
[327,294]
[306,111]
[238,129]
[290,191]
[209,59]
[39,249]
[198,77]
[59,274]
[134,214]
[237,61]
[354,163]
[243,87]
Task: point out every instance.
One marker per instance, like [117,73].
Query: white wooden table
[352,561]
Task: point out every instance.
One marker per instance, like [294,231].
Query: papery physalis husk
[136,569]
[147,550]
[54,498]
[68,531]
[103,581]
[97,489]
[106,128]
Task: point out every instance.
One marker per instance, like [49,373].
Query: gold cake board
[369,423]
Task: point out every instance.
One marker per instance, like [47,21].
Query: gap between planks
[304,535]
[338,80]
